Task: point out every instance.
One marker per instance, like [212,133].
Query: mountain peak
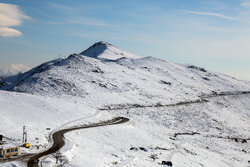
[106,51]
[102,43]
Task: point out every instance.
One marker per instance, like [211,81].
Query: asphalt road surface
[58,141]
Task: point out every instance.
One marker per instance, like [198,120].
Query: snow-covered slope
[203,134]
[105,51]
[208,135]
[105,73]
[212,131]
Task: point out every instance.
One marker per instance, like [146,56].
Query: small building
[8,152]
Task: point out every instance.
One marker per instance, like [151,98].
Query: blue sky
[210,33]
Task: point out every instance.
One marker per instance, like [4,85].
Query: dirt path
[58,141]
[203,99]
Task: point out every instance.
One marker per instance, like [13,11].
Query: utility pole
[24,134]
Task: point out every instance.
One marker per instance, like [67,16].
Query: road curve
[58,141]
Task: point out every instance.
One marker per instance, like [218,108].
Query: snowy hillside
[209,134]
[106,73]
[180,114]
[105,51]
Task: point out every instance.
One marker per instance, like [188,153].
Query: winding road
[58,141]
[57,137]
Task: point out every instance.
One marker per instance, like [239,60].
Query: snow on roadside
[12,164]
[152,132]
[38,113]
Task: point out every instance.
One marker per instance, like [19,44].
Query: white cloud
[245,3]
[212,14]
[10,15]
[12,69]
[82,21]
[9,32]
[71,15]
[60,6]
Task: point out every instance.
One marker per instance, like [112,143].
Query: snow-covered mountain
[105,72]
[182,114]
